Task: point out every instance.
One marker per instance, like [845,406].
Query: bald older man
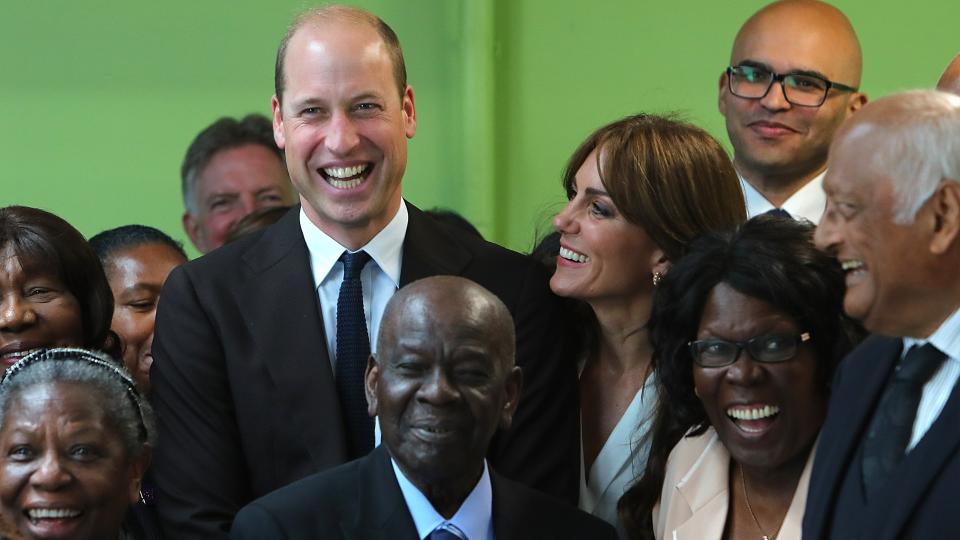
[888,462]
[793,79]
[442,381]
[950,80]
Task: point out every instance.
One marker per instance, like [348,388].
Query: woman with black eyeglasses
[747,329]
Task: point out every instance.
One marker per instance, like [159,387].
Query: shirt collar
[474,517]
[386,248]
[808,202]
[946,337]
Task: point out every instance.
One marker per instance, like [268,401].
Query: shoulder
[257,249]
[867,355]
[327,493]
[690,450]
[520,508]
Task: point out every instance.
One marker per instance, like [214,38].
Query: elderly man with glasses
[793,78]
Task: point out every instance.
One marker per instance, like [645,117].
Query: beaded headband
[91,358]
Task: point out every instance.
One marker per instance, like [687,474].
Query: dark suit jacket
[362,500]
[923,497]
[245,396]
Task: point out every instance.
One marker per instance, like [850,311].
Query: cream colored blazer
[694,499]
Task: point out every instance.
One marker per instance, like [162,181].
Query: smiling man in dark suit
[443,380]
[261,345]
[888,462]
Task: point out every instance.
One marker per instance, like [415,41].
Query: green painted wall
[99,99]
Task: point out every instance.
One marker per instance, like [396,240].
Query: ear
[278,136]
[946,214]
[660,263]
[512,387]
[857,100]
[138,467]
[409,113]
[191,226]
[722,93]
[371,379]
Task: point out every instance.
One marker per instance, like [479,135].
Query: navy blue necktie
[892,425]
[353,349]
[442,533]
[779,212]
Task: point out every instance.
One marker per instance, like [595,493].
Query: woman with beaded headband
[75,442]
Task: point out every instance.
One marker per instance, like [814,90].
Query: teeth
[18,354]
[344,172]
[755,413]
[851,265]
[52,513]
[344,184]
[571,255]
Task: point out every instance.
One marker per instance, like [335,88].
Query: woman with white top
[639,190]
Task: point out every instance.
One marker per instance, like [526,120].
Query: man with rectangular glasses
[793,78]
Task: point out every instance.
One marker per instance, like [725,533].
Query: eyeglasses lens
[754,83]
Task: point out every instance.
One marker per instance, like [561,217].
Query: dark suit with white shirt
[243,385]
[921,497]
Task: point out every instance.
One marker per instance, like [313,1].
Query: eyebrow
[596,192]
[805,72]
[148,287]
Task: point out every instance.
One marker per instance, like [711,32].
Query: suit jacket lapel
[850,411]
[509,511]
[281,311]
[428,250]
[705,491]
[382,511]
[918,470]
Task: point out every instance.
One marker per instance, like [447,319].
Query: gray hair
[117,395]
[917,141]
[224,134]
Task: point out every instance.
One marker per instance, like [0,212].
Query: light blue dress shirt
[474,518]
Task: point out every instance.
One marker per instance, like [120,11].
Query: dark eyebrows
[145,287]
[801,72]
[596,192]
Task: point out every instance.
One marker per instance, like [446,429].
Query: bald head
[449,304]
[817,28]
[780,146]
[335,14]
[950,80]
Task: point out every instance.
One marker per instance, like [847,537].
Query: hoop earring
[657,279]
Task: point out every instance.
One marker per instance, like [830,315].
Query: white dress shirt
[380,278]
[946,338]
[808,202]
[474,518]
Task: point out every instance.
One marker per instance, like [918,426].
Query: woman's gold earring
[657,278]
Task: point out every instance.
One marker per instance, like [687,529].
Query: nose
[564,221]
[776,98]
[341,136]
[16,314]
[437,389]
[826,236]
[50,474]
[744,370]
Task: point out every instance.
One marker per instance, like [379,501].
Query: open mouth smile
[753,418]
[345,177]
[571,255]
